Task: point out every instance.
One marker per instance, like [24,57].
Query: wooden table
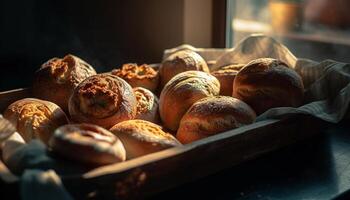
[318,168]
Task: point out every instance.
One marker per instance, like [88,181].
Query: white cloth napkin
[327,84]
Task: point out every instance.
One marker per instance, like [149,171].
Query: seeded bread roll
[267,83]
[139,76]
[181,61]
[35,119]
[226,75]
[213,115]
[87,143]
[147,105]
[181,92]
[104,100]
[142,137]
[57,78]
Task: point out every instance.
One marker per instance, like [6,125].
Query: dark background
[104,33]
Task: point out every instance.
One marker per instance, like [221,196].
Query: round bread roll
[226,75]
[147,105]
[181,92]
[142,137]
[104,100]
[267,83]
[57,78]
[87,143]
[213,115]
[181,61]
[138,76]
[35,119]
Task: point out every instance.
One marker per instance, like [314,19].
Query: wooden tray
[163,170]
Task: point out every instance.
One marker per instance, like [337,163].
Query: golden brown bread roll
[181,92]
[147,105]
[213,115]
[35,119]
[139,76]
[87,143]
[226,75]
[57,78]
[142,137]
[104,100]
[181,61]
[267,83]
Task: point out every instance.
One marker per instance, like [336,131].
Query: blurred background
[105,33]
[108,33]
[314,29]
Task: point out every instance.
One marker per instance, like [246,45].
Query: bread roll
[139,76]
[181,61]
[87,143]
[104,100]
[181,92]
[35,119]
[226,75]
[142,137]
[57,78]
[267,83]
[147,105]
[213,115]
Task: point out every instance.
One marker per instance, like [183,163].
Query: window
[314,29]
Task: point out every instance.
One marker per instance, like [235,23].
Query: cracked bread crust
[57,78]
[104,100]
[139,76]
[142,137]
[35,119]
[147,105]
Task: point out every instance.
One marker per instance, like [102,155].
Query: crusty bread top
[192,80]
[181,61]
[134,71]
[231,69]
[101,95]
[213,115]
[70,69]
[33,117]
[87,135]
[145,131]
[188,58]
[146,100]
[219,106]
[267,83]
[268,72]
[181,92]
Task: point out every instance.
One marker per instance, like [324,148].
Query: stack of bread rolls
[105,118]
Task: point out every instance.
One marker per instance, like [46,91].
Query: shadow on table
[312,169]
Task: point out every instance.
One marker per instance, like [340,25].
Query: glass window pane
[315,29]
